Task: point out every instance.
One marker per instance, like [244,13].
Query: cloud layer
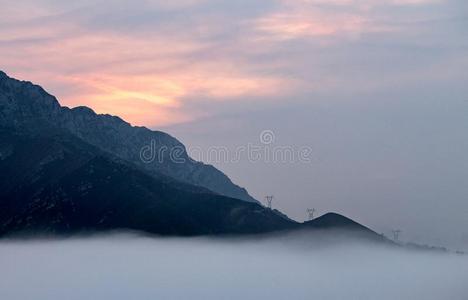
[124,267]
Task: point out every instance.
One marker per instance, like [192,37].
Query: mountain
[70,170]
[66,171]
[28,107]
[342,225]
[334,221]
[54,183]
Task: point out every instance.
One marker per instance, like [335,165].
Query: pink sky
[150,62]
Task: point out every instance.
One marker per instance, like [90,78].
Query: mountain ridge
[66,186]
[66,170]
[24,105]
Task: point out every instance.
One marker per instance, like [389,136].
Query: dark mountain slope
[29,107]
[342,226]
[65,171]
[335,221]
[57,184]
[54,183]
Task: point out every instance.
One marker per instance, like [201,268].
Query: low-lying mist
[128,266]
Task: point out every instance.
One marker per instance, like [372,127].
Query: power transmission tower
[310,212]
[269,199]
[396,234]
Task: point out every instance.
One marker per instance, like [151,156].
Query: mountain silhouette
[54,183]
[66,171]
[28,107]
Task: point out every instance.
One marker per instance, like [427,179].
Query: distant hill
[334,220]
[342,224]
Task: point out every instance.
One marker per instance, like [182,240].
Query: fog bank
[132,267]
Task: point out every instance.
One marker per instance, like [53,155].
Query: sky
[375,89]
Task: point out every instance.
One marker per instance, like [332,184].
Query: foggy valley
[128,266]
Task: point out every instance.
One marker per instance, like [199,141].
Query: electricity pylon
[269,199]
[310,212]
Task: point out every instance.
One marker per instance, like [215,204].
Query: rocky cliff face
[26,106]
